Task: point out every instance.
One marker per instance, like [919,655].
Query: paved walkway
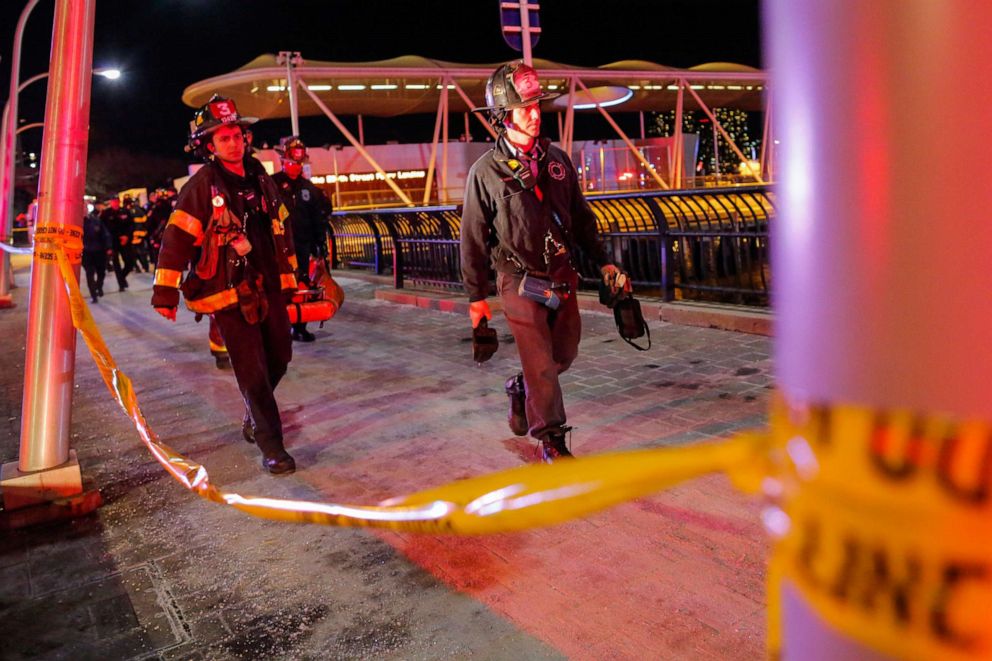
[386,402]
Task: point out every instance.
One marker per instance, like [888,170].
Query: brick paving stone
[386,402]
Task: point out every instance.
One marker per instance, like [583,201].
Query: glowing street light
[108,73]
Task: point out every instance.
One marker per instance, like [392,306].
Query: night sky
[164,45]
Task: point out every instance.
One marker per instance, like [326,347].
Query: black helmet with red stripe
[512,85]
[217,112]
[292,149]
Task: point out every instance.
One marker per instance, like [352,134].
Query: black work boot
[517,416]
[222,360]
[247,430]
[279,463]
[554,447]
[303,335]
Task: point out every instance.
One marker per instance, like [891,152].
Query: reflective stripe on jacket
[184,235]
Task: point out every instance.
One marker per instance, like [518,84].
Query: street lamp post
[32,125]
[7,137]
[8,141]
[292,60]
[46,468]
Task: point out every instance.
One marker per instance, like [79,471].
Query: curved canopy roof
[412,84]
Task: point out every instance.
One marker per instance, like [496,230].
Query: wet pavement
[387,401]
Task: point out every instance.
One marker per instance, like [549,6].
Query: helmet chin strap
[513,127]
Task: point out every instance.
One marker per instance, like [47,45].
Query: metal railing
[708,244]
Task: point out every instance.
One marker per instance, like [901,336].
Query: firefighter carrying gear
[319,303]
[219,269]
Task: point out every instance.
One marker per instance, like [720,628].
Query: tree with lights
[735,122]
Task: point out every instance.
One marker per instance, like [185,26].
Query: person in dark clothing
[524,215]
[160,204]
[139,235]
[229,224]
[309,215]
[121,226]
[97,245]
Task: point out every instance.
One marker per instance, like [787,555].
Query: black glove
[484,342]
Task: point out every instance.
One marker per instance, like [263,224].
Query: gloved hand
[477,310]
[168,313]
[616,279]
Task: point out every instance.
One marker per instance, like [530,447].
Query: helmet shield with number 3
[217,112]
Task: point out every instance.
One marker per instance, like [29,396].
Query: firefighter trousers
[547,341]
[95,266]
[123,260]
[260,354]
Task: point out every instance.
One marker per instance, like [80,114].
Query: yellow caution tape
[511,500]
[889,527]
[882,520]
[48,239]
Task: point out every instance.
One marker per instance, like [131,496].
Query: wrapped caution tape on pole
[882,248]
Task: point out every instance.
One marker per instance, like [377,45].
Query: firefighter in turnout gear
[218,349]
[524,216]
[139,235]
[309,215]
[121,226]
[229,229]
[160,204]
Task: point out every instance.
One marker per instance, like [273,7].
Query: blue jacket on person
[96,236]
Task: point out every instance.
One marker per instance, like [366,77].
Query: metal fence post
[397,255]
[666,253]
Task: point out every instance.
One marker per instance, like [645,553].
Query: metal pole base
[56,510]
[6,302]
[40,487]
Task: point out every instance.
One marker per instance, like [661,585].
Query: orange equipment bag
[317,304]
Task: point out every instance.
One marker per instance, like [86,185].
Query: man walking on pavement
[524,215]
[139,236]
[121,226]
[230,225]
[309,215]
[97,245]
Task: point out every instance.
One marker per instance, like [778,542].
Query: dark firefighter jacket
[140,226]
[120,223]
[309,214]
[96,236]
[197,211]
[505,224]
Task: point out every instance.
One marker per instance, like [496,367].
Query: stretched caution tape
[882,519]
[520,498]
[14,250]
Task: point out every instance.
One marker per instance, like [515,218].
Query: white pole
[292,59]
[882,248]
[525,31]
[51,337]
[7,141]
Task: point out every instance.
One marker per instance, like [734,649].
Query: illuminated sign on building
[360,177]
